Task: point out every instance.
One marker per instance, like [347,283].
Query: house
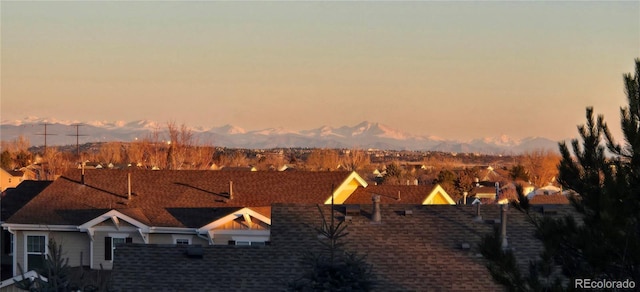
[10,178]
[527,187]
[90,213]
[546,190]
[12,200]
[489,174]
[412,248]
[482,192]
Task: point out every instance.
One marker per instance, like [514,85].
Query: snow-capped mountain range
[364,135]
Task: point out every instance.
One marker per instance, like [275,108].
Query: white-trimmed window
[111,242]
[182,239]
[36,247]
[249,240]
[247,243]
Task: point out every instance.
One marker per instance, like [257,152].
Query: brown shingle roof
[156,194]
[389,194]
[418,252]
[555,199]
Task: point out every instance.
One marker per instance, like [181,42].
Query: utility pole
[77,137]
[45,134]
[44,153]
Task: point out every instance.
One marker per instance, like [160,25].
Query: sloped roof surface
[15,198]
[418,252]
[411,194]
[15,173]
[158,195]
[555,199]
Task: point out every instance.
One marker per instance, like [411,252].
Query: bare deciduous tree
[156,150]
[111,152]
[18,152]
[356,159]
[323,159]
[54,163]
[542,166]
[180,145]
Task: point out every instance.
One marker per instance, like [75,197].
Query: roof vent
[408,212]
[376,217]
[478,217]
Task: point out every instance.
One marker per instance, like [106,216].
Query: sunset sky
[457,70]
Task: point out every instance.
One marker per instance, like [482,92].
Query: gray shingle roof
[418,252]
[15,198]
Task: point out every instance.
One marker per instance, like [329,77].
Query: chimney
[375,215]
[82,174]
[129,186]
[230,190]
[464,198]
[398,196]
[503,225]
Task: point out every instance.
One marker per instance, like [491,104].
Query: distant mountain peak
[229,129]
[365,135]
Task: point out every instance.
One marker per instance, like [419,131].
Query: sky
[451,69]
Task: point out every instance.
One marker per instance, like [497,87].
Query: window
[36,250]
[247,243]
[111,242]
[183,241]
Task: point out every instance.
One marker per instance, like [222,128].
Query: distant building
[10,178]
